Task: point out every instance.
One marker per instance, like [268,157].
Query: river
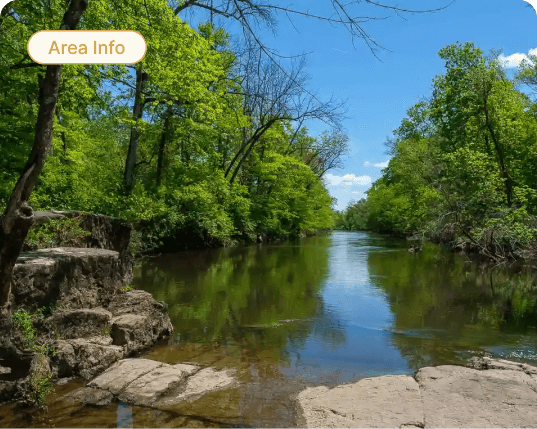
[322,310]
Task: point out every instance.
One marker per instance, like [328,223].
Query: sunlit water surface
[323,310]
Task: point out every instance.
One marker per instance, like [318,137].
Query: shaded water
[324,310]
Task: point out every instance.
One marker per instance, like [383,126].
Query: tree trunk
[18,216]
[253,140]
[137,112]
[164,138]
[499,154]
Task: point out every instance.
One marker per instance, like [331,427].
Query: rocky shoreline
[486,393]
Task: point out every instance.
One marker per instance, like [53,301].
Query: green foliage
[192,130]
[354,218]
[49,309]
[40,381]
[127,288]
[22,320]
[463,162]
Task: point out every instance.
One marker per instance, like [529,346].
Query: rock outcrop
[87,321]
[105,232]
[132,321]
[498,393]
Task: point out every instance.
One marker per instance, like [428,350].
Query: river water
[322,310]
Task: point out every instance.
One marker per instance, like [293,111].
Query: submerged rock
[499,394]
[90,396]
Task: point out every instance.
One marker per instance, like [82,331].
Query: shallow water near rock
[320,311]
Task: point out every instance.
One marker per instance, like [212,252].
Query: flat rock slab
[118,377]
[90,396]
[498,394]
[388,401]
[146,382]
[202,382]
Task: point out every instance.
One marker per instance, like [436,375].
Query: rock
[455,396]
[77,277]
[139,320]
[90,396]
[145,390]
[499,394]
[82,323]
[106,232]
[135,302]
[489,363]
[84,357]
[388,401]
[204,381]
[128,327]
[118,377]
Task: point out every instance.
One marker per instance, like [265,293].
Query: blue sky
[378,92]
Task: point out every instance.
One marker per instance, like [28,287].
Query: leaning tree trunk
[18,216]
[138,112]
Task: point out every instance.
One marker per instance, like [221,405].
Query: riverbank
[74,311]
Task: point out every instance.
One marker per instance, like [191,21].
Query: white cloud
[382,164]
[514,60]
[378,164]
[348,180]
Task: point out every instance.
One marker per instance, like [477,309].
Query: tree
[527,73]
[273,95]
[18,217]
[463,166]
[251,14]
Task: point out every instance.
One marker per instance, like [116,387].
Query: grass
[23,322]
[40,381]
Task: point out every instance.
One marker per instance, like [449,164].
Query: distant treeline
[464,162]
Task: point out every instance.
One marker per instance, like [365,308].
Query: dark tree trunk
[137,113]
[18,216]
[164,139]
[253,140]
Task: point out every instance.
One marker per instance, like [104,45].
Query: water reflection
[124,415]
[339,308]
[446,308]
